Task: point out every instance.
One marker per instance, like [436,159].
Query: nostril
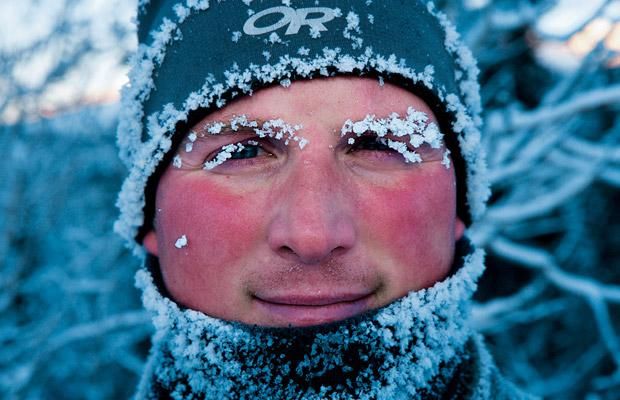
[287,251]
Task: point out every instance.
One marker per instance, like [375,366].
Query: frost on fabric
[415,128]
[274,38]
[413,344]
[181,242]
[236,35]
[353,28]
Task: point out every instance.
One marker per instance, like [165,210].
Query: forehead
[327,99]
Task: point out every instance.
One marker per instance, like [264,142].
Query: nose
[313,220]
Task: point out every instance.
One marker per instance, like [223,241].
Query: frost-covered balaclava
[418,347]
[194,56]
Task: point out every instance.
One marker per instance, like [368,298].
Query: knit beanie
[194,56]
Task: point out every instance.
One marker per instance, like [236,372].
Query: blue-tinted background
[71,325]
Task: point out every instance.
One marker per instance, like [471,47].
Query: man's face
[279,235]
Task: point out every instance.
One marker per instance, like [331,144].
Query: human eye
[246,153]
[368,142]
[386,149]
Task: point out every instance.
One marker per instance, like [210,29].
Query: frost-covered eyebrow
[226,127]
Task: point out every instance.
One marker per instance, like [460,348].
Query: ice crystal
[181,242]
[415,126]
[224,154]
[215,128]
[315,33]
[177,162]
[353,25]
[274,38]
[446,159]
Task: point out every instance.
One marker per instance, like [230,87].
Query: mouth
[302,311]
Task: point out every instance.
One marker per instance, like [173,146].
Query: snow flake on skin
[181,242]
[177,162]
[446,159]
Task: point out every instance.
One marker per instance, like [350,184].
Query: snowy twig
[584,101]
[540,259]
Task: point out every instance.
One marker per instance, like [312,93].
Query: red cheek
[409,223]
[221,228]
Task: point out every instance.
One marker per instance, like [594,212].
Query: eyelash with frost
[415,126]
[274,128]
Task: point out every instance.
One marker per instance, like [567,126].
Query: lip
[301,310]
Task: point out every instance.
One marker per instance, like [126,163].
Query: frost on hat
[195,56]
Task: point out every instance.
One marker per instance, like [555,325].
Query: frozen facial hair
[403,135]
[275,129]
[401,351]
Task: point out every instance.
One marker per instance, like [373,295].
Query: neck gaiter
[408,349]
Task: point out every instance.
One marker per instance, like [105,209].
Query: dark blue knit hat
[194,56]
